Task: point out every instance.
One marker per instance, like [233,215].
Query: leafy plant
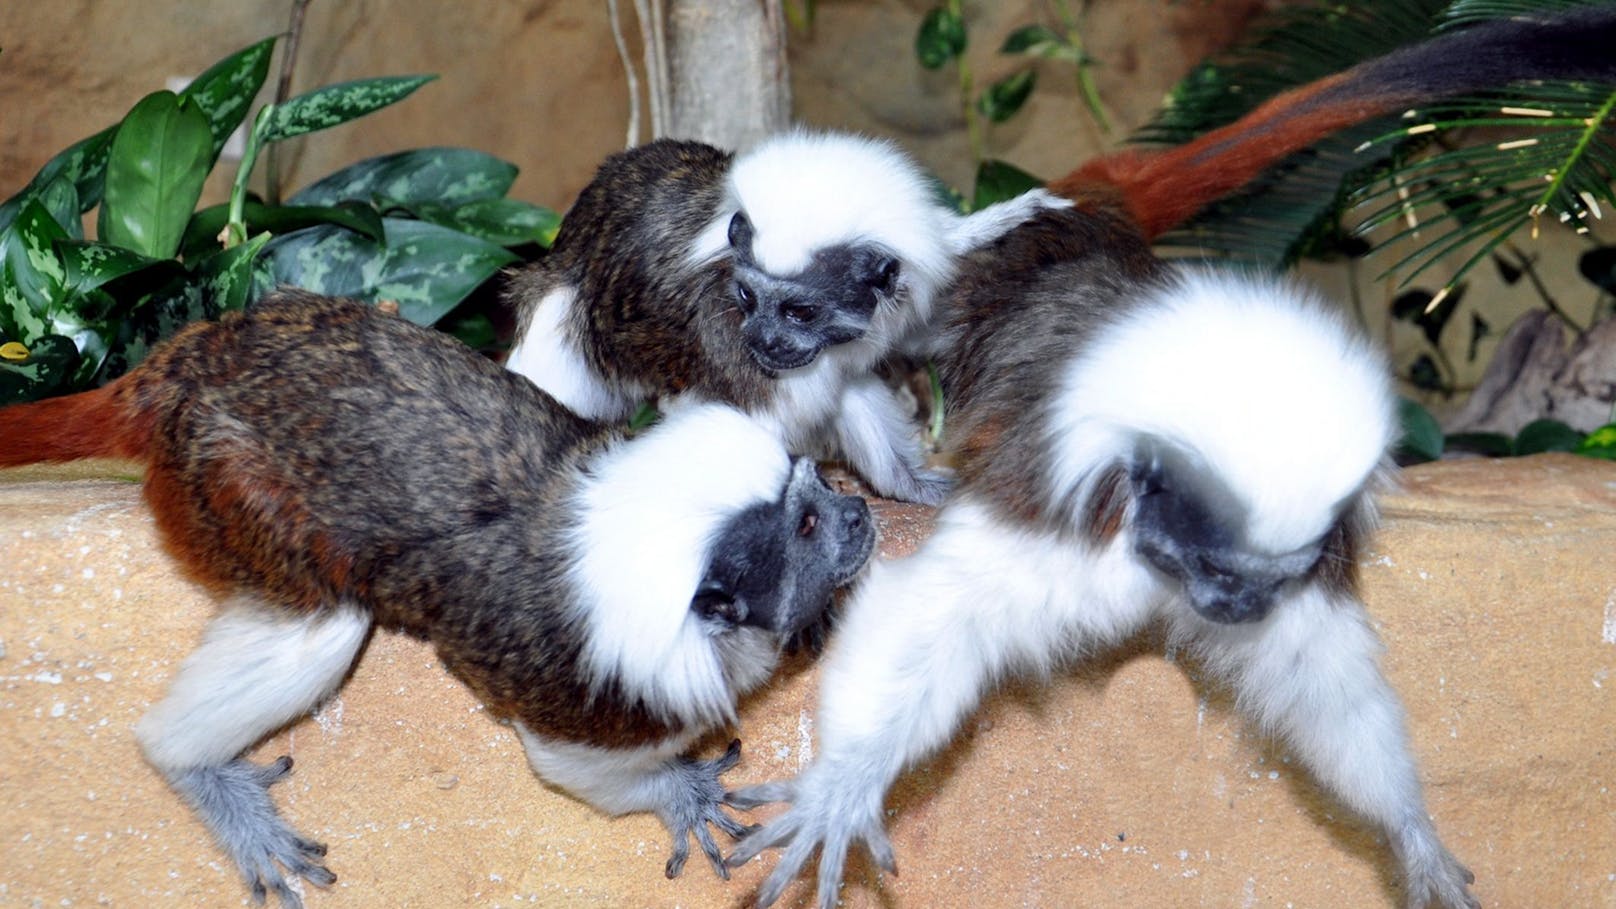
[942,39]
[1423,439]
[422,228]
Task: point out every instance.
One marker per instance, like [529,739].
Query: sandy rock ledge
[1123,783]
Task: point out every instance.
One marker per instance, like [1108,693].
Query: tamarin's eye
[810,521]
[801,313]
[744,295]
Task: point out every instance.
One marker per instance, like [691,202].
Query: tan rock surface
[1120,784]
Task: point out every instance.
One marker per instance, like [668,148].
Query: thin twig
[1529,268]
[283,90]
[628,71]
[653,41]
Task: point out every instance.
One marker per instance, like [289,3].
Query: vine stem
[283,90]
[1085,75]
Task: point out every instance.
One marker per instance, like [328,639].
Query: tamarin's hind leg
[1310,674]
[256,670]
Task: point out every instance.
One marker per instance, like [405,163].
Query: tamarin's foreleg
[684,792]
[256,670]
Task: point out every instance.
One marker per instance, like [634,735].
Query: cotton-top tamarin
[776,280]
[1138,446]
[326,468]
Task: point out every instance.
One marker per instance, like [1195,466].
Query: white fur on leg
[547,355]
[686,794]
[613,780]
[1310,675]
[256,670]
[883,445]
[921,640]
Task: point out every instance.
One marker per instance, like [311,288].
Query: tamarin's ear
[882,276]
[740,233]
[714,600]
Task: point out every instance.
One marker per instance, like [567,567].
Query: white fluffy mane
[804,191]
[1257,378]
[650,510]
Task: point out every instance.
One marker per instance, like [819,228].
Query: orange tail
[92,424]
[1163,189]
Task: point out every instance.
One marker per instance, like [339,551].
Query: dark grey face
[1191,528]
[775,565]
[787,320]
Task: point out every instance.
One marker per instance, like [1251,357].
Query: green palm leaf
[1547,155]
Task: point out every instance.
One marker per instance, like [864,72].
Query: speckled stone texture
[1120,783]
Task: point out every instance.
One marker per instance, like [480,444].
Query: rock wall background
[538,82]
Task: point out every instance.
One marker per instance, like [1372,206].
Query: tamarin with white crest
[776,280]
[327,468]
[1139,445]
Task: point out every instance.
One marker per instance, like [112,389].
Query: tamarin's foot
[698,801]
[233,800]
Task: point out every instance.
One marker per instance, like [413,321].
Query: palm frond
[1293,211]
[1553,158]
[1547,151]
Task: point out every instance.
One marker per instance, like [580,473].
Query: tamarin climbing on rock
[326,468]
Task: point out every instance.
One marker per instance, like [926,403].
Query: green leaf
[1030,39]
[1490,444]
[1422,435]
[333,105]
[1601,443]
[61,198]
[1546,435]
[225,91]
[35,280]
[439,176]
[997,181]
[202,234]
[154,318]
[644,418]
[507,222]
[83,164]
[941,38]
[427,269]
[160,157]
[474,330]
[227,275]
[1598,265]
[48,367]
[90,265]
[1006,96]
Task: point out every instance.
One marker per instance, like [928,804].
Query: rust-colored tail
[93,424]
[1163,189]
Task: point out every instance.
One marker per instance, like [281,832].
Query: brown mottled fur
[652,317]
[318,452]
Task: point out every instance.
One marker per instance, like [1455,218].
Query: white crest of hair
[805,191]
[548,356]
[1258,381]
[649,511]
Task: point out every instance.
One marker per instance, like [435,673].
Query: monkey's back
[1019,310]
[309,447]
[646,316]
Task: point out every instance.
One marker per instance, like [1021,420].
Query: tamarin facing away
[775,280]
[326,468]
[1138,446]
